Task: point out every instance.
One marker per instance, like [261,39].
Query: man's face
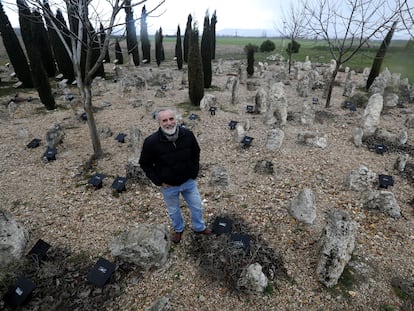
[167,121]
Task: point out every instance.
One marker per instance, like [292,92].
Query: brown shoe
[176,238]
[206,231]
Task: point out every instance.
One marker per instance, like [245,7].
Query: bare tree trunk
[96,142]
[331,85]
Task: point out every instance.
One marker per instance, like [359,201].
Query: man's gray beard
[170,131]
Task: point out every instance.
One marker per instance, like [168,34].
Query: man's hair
[166,109]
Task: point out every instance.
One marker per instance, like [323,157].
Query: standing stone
[232,85]
[219,177]
[372,114]
[401,138]
[308,114]
[338,243]
[253,279]
[350,85]
[260,101]
[303,86]
[54,136]
[312,139]
[219,69]
[242,73]
[391,100]
[136,140]
[275,139]
[380,82]
[401,162]
[361,179]
[277,109]
[385,202]
[208,101]
[13,239]
[146,246]
[357,136]
[303,207]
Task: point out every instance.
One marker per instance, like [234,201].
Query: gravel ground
[53,201]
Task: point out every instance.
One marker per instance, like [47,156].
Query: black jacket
[169,162]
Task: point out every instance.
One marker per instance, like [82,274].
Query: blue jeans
[192,197]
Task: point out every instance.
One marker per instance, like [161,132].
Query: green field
[398,59]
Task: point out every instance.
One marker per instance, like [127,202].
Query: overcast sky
[235,14]
[264,15]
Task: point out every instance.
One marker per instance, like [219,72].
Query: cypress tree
[162,45]
[376,65]
[131,34]
[213,35]
[195,69]
[250,49]
[63,61]
[102,37]
[158,48]
[64,29]
[73,26]
[118,52]
[179,49]
[43,44]
[145,43]
[31,38]
[14,50]
[187,37]
[206,51]
[96,51]
[90,40]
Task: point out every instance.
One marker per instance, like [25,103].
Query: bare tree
[294,27]
[81,14]
[349,25]
[407,17]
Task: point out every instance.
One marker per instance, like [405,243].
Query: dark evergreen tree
[96,51]
[90,41]
[206,51]
[162,45]
[379,57]
[118,52]
[213,35]
[63,61]
[187,37]
[73,28]
[131,34]
[14,50]
[30,39]
[63,28]
[43,44]
[250,49]
[292,48]
[102,37]
[179,49]
[267,46]
[145,43]
[158,48]
[195,69]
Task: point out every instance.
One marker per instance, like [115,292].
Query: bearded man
[170,158]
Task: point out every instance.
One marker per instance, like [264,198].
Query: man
[170,158]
